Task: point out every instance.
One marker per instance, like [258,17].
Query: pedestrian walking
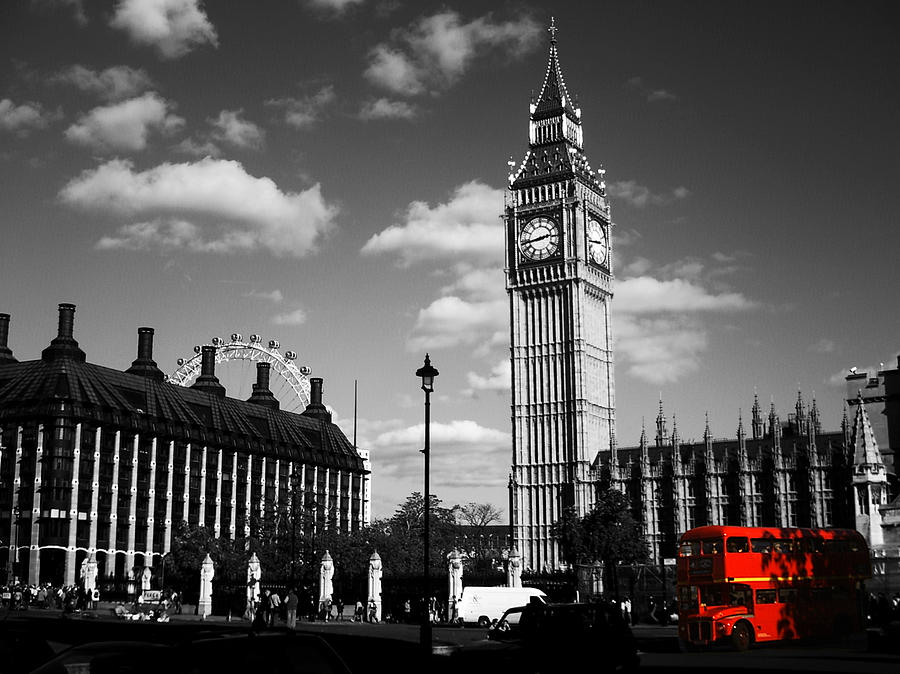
[274,608]
[292,602]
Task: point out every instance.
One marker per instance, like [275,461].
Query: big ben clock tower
[558,275]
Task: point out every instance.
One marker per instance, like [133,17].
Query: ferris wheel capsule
[237,337]
[216,341]
[255,339]
[274,344]
[290,355]
[197,349]
[180,362]
[304,370]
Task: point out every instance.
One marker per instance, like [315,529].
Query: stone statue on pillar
[89,572]
[254,574]
[455,587]
[146,575]
[514,569]
[375,572]
[326,573]
[207,573]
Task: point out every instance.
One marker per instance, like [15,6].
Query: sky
[330,174]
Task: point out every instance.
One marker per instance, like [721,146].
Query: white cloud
[384,108]
[295,317]
[451,321]
[393,70]
[24,118]
[231,129]
[211,205]
[273,296]
[172,27]
[112,84]
[335,6]
[432,54]
[466,228]
[304,112]
[465,234]
[652,95]
[480,283]
[463,453]
[640,196]
[658,334]
[198,148]
[124,126]
[498,380]
[658,350]
[643,295]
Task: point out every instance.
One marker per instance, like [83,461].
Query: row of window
[737,544]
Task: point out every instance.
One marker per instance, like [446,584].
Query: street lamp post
[427,373]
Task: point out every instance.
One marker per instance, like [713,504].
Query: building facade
[96,460]
[774,473]
[877,398]
[559,275]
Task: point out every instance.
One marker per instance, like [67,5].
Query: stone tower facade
[559,275]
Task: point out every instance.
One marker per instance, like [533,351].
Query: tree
[475,518]
[608,534]
[479,515]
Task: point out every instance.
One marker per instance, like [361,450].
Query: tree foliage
[608,533]
[291,537]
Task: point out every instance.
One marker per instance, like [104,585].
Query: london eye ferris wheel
[239,358]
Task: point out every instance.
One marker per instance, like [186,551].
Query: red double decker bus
[752,584]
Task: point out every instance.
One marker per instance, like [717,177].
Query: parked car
[545,638]
[256,653]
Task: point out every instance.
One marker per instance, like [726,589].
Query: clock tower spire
[559,275]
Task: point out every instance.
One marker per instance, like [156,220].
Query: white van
[483,605]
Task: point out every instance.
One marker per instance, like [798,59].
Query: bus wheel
[741,638]
[483,621]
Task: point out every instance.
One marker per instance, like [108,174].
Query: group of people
[45,596]
[658,612]
[273,607]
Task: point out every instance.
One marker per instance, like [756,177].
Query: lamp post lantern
[427,373]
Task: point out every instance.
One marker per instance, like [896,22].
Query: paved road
[658,646]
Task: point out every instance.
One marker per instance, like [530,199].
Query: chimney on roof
[64,344]
[315,408]
[261,393]
[208,381]
[6,355]
[144,365]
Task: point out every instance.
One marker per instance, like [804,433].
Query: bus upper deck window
[689,548]
[737,544]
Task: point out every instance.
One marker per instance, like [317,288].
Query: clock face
[597,243]
[539,239]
